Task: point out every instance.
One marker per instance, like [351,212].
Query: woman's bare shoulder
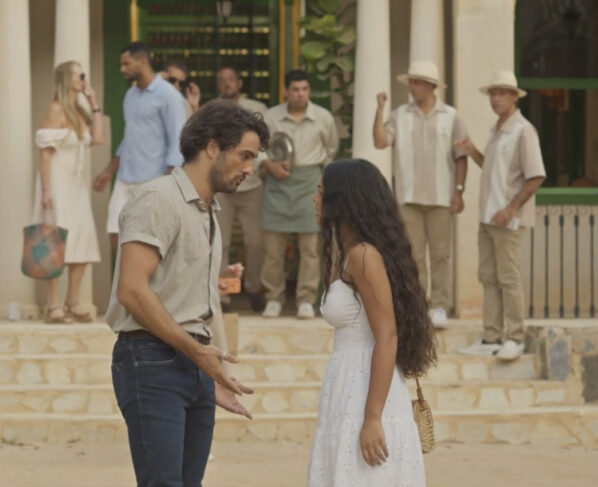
[54,117]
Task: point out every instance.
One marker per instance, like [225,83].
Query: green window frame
[552,195]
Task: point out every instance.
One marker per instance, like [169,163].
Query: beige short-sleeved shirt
[512,155]
[315,138]
[424,155]
[168,214]
[253,180]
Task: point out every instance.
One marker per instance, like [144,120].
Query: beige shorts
[121,193]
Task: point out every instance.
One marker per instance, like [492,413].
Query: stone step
[40,338]
[274,398]
[94,368]
[289,336]
[450,367]
[554,426]
[296,397]
[285,335]
[54,368]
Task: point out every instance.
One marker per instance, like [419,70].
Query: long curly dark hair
[355,193]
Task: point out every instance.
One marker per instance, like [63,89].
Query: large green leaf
[347,36]
[324,63]
[325,23]
[330,6]
[314,49]
[345,62]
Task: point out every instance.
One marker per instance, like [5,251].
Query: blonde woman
[61,193]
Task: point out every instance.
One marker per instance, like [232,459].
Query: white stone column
[427,33]
[72,44]
[372,75]
[483,42]
[17,166]
[72,32]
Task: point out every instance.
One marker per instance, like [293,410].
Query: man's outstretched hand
[227,399]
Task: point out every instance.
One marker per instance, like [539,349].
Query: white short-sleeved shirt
[512,155]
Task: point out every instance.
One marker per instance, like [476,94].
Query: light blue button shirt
[154,118]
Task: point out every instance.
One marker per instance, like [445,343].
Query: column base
[26,311]
[34,312]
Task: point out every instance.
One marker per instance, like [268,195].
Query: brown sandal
[56,315]
[74,311]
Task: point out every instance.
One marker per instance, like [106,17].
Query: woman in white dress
[62,193]
[366,435]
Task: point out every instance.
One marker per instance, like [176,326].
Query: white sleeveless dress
[336,459]
[70,193]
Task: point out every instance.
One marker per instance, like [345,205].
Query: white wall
[483,42]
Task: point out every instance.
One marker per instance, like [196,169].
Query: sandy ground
[284,464]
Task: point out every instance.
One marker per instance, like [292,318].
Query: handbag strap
[48,216]
[420,394]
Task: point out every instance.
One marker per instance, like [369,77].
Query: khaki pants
[273,275]
[431,227]
[499,274]
[247,206]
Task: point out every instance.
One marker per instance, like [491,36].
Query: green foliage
[328,50]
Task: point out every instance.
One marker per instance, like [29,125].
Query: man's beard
[219,184]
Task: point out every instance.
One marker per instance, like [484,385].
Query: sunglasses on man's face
[174,81]
[82,76]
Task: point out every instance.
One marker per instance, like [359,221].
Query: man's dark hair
[138,49]
[176,63]
[223,121]
[295,75]
[231,67]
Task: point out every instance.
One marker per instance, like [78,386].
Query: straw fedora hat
[503,79]
[424,70]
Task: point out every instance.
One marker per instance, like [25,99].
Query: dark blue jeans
[168,405]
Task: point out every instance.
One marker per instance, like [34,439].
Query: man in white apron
[429,175]
[288,207]
[512,171]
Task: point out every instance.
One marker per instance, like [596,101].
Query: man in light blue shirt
[154,114]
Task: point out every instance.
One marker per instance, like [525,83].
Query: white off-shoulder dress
[70,193]
[336,459]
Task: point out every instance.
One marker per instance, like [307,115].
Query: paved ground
[284,464]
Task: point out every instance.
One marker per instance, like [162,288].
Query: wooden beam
[282,34]
[134,21]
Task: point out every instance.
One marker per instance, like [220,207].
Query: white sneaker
[438,317]
[305,311]
[510,350]
[480,348]
[272,310]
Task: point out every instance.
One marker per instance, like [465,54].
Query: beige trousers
[247,206]
[503,291]
[273,275]
[431,227]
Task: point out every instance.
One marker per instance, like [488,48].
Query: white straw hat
[503,79]
[424,70]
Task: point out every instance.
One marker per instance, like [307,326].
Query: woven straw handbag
[422,413]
